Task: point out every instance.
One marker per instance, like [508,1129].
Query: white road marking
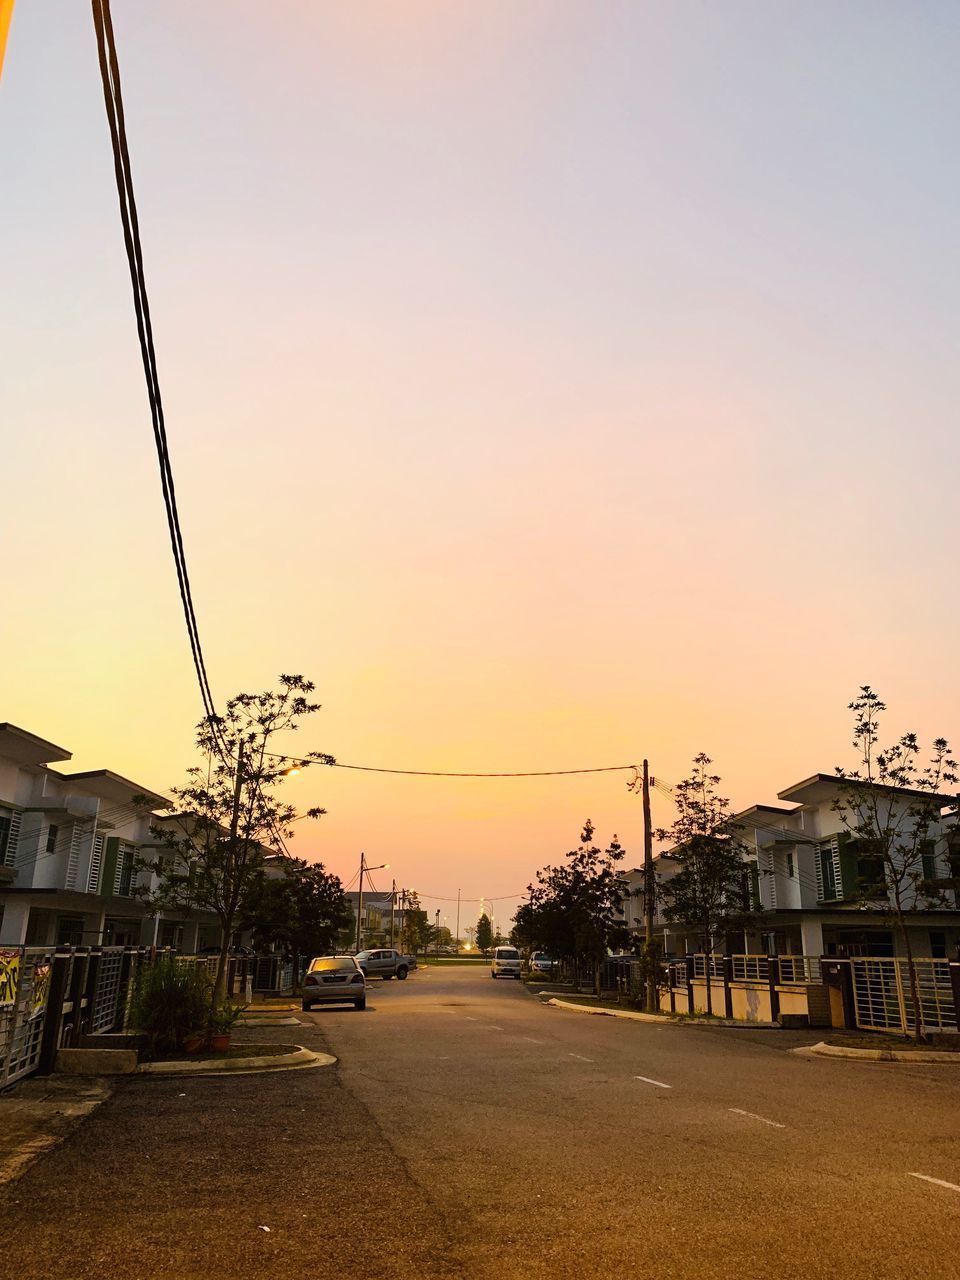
[937,1182]
[752,1115]
[494,1028]
[467,1018]
[658,1083]
[531,1040]
[580,1056]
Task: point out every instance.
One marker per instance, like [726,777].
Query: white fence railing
[883,999]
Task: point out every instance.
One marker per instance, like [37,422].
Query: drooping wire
[113,101]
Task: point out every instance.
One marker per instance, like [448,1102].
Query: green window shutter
[109,872]
[849,878]
[754,887]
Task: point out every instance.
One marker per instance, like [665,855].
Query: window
[4,836]
[928,860]
[938,944]
[828,874]
[52,838]
[790,870]
[870,875]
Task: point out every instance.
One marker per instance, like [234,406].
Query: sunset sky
[554,382]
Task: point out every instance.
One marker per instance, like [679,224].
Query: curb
[607,1013]
[298,1058]
[824,1050]
[286,1020]
[663,1018]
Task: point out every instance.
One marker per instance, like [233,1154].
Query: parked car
[505,963]
[383,962]
[411,962]
[334,979]
[541,963]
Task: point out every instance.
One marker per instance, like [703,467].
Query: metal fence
[53,998]
[24,993]
[883,999]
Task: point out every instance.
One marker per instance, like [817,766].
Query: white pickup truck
[383,962]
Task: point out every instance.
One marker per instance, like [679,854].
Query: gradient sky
[554,383]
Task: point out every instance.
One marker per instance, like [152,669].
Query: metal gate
[107,1011]
[883,1001]
[21,1020]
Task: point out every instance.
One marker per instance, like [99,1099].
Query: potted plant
[170,1008]
[221,1026]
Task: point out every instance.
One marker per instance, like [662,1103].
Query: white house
[806,876]
[68,847]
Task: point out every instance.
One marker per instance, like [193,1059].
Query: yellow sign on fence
[10,964]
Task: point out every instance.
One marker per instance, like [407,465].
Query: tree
[890,808]
[417,930]
[229,814]
[708,891]
[571,911]
[484,933]
[304,911]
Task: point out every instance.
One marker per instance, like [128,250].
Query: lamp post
[364,869]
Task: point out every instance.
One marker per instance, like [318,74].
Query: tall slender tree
[229,814]
[707,892]
[890,807]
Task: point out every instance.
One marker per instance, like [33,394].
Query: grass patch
[235,1051]
[892,1043]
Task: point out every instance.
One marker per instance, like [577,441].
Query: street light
[364,869]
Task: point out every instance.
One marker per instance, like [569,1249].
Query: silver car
[334,980]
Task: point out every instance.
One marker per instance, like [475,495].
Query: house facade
[806,876]
[69,847]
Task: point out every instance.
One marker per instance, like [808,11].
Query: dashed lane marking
[532,1040]
[494,1028]
[937,1182]
[658,1083]
[580,1056]
[752,1115]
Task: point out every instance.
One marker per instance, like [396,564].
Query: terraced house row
[815,889]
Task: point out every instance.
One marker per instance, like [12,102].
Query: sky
[554,383]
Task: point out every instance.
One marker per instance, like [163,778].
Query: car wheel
[306,1006]
[360,1004]
[401,973]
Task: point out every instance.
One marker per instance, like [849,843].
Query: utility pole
[438,930]
[458,922]
[649,892]
[393,899]
[360,902]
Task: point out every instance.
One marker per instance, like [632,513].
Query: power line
[113,101]
[443,773]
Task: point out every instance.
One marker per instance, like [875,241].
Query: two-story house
[69,845]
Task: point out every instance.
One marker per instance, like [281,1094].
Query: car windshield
[332,962]
[508,953]
[361,955]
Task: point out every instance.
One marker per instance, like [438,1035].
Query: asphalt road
[470,1131]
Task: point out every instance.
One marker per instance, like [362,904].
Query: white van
[505,963]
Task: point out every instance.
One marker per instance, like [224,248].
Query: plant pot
[219,1042]
[194,1043]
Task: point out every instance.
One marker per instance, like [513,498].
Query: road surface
[470,1131]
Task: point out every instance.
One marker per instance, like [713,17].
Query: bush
[171,1002]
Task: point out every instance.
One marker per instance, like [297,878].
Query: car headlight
[357,977]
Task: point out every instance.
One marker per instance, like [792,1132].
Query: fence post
[83,1024]
[53,1014]
[689,959]
[954,967]
[727,991]
[773,967]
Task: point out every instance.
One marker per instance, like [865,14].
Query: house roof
[823,786]
[112,786]
[26,748]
